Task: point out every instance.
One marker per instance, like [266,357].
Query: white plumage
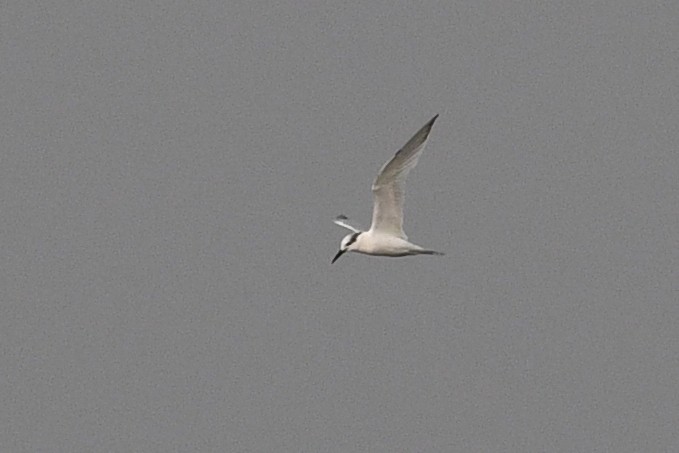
[386,236]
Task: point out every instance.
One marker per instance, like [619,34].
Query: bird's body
[381,244]
[385,236]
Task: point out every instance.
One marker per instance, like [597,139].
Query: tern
[385,236]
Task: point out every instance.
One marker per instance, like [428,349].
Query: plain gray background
[169,172]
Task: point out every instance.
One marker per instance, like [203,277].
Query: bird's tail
[430,252]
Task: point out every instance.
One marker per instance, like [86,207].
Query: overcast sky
[169,172]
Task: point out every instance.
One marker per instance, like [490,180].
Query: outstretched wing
[389,186]
[340,220]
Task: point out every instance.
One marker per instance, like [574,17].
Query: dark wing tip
[341,217]
[427,127]
[419,137]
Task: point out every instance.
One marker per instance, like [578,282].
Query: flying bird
[385,236]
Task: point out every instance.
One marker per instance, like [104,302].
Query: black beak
[338,255]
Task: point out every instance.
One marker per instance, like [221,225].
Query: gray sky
[170,171]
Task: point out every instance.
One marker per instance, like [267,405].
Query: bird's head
[348,243]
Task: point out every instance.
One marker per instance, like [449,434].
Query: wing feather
[341,221]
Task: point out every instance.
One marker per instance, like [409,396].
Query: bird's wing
[389,186]
[341,221]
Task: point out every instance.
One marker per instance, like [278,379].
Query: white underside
[380,244]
